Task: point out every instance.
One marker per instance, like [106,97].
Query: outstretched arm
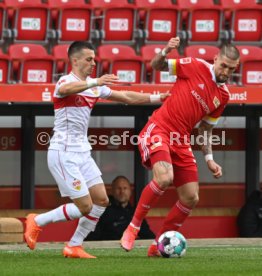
[80,86]
[132,97]
[159,62]
[205,132]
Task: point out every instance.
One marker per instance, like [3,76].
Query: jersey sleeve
[214,116]
[183,68]
[104,91]
[62,81]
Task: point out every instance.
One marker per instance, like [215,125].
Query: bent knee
[104,202]
[85,208]
[164,181]
[191,200]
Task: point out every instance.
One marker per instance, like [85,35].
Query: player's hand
[164,96]
[214,168]
[173,43]
[107,79]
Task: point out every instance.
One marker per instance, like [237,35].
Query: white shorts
[74,172]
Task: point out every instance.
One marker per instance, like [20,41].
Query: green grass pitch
[222,260]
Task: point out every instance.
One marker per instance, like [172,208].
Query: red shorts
[155,145]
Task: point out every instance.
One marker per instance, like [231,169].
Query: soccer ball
[172,244]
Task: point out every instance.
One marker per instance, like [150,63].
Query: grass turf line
[198,261]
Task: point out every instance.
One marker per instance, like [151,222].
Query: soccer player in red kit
[198,95]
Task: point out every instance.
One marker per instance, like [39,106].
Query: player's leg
[64,168]
[88,222]
[162,178]
[187,200]
[100,201]
[186,182]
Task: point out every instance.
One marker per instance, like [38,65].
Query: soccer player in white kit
[69,156]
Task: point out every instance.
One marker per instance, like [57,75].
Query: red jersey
[195,95]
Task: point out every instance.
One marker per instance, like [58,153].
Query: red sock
[148,199]
[175,218]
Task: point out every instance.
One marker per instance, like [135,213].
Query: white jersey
[72,115]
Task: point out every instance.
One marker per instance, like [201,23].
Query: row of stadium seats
[131,22]
[30,63]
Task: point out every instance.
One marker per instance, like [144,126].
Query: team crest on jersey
[95,91]
[185,60]
[216,102]
[77,184]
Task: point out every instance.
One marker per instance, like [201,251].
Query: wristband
[155,98]
[163,53]
[209,157]
[91,83]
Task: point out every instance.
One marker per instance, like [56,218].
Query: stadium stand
[2,20]
[30,64]
[72,20]
[250,72]
[28,21]
[244,21]
[116,21]
[203,22]
[158,19]
[148,52]
[120,60]
[4,67]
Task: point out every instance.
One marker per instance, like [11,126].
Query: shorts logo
[216,102]
[77,184]
[155,145]
[185,60]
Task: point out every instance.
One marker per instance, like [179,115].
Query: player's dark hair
[230,51]
[119,177]
[78,46]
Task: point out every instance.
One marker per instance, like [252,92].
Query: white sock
[62,213]
[86,225]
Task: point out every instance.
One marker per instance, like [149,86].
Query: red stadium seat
[72,19]
[203,20]
[148,52]
[206,52]
[4,68]
[31,63]
[120,60]
[161,20]
[29,20]
[116,21]
[2,20]
[245,19]
[251,65]
[62,65]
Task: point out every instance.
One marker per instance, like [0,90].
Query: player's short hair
[229,51]
[119,177]
[78,46]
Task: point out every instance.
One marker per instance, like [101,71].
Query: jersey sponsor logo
[77,184]
[185,60]
[216,102]
[79,101]
[201,101]
[201,85]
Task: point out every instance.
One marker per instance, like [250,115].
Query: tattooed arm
[205,132]
[159,62]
